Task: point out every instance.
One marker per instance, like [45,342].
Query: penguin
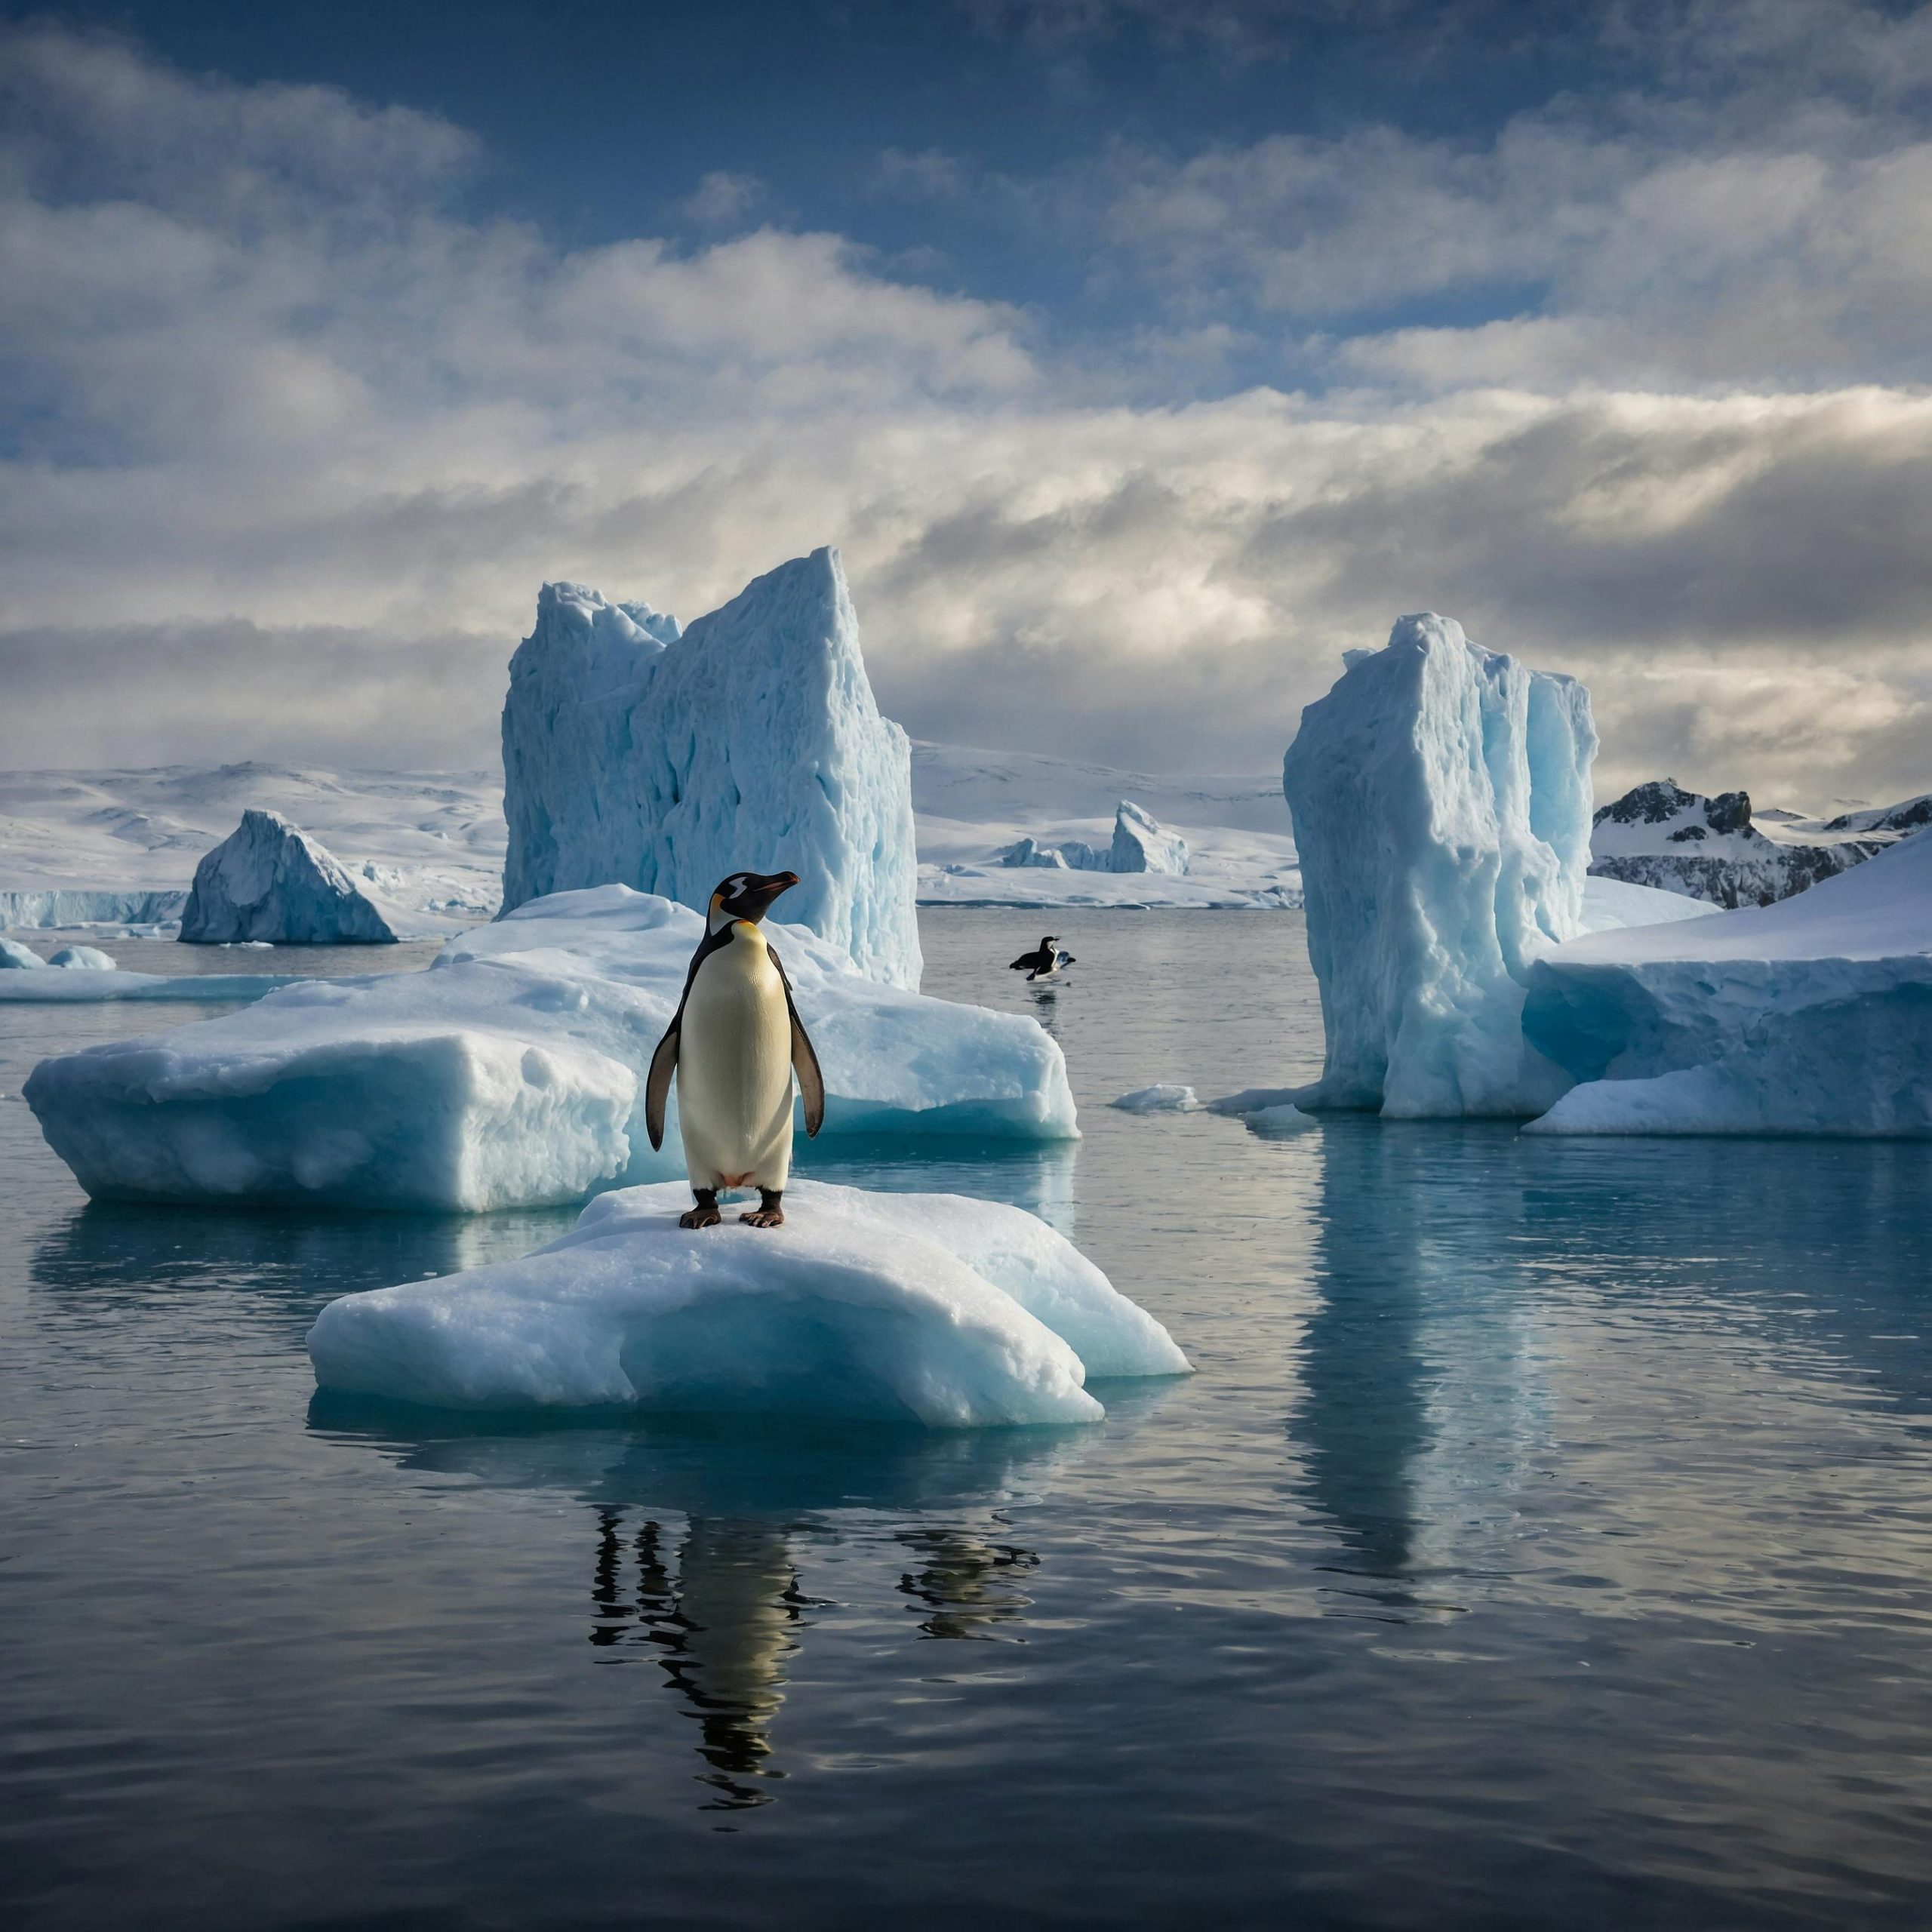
[734,1043]
[1043,962]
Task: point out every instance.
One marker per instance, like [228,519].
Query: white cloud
[294,441]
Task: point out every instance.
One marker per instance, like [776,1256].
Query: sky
[1141,358]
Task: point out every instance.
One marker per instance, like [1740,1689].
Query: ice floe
[910,1308]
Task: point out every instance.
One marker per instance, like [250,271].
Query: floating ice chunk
[18,957]
[1279,1121]
[178,989]
[510,1074]
[893,1307]
[1161,1098]
[269,880]
[83,958]
[751,742]
[1141,844]
[1812,1015]
[1440,796]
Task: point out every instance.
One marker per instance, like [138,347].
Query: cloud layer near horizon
[295,435]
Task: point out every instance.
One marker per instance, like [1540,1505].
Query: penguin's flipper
[657,1088]
[804,1058]
[812,1081]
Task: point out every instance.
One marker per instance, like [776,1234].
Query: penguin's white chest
[734,1070]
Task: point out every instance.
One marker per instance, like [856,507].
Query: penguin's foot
[767,1213]
[705,1214]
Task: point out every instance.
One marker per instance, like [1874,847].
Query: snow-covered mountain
[434,842]
[1713,848]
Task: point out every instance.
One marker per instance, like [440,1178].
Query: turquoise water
[1546,1539]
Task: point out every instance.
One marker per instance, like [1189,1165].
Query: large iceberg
[1810,1016]
[1440,797]
[636,754]
[925,1308]
[269,880]
[509,1074]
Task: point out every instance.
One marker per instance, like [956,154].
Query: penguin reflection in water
[733,1044]
[1043,962]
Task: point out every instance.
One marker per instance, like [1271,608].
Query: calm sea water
[1545,1540]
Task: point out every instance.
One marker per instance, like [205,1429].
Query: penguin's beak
[760,889]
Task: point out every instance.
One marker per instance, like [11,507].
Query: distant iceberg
[911,1308]
[1810,1016]
[1140,844]
[1441,797]
[636,754]
[269,880]
[510,1074]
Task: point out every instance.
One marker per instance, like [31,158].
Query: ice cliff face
[1440,797]
[1659,835]
[1140,844]
[269,880]
[636,755]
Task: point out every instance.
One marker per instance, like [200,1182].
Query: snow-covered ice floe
[751,740]
[1810,1016]
[511,1073]
[97,989]
[1163,1097]
[910,1308]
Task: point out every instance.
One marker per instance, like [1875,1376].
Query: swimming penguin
[1043,962]
[734,1043]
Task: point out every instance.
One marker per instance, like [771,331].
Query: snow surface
[1810,1016]
[270,883]
[925,1308]
[1441,795]
[511,1073]
[1164,1097]
[752,743]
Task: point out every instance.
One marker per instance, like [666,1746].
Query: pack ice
[1440,797]
[511,1073]
[664,760]
[1812,1015]
[269,880]
[925,1308]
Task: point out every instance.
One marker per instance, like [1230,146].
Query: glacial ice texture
[1811,1016]
[636,755]
[1440,797]
[509,1074]
[269,880]
[922,1308]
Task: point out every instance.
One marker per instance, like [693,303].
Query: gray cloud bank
[292,439]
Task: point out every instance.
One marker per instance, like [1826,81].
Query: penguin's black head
[749,895]
[1048,944]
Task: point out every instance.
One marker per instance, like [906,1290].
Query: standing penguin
[1044,963]
[733,1044]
